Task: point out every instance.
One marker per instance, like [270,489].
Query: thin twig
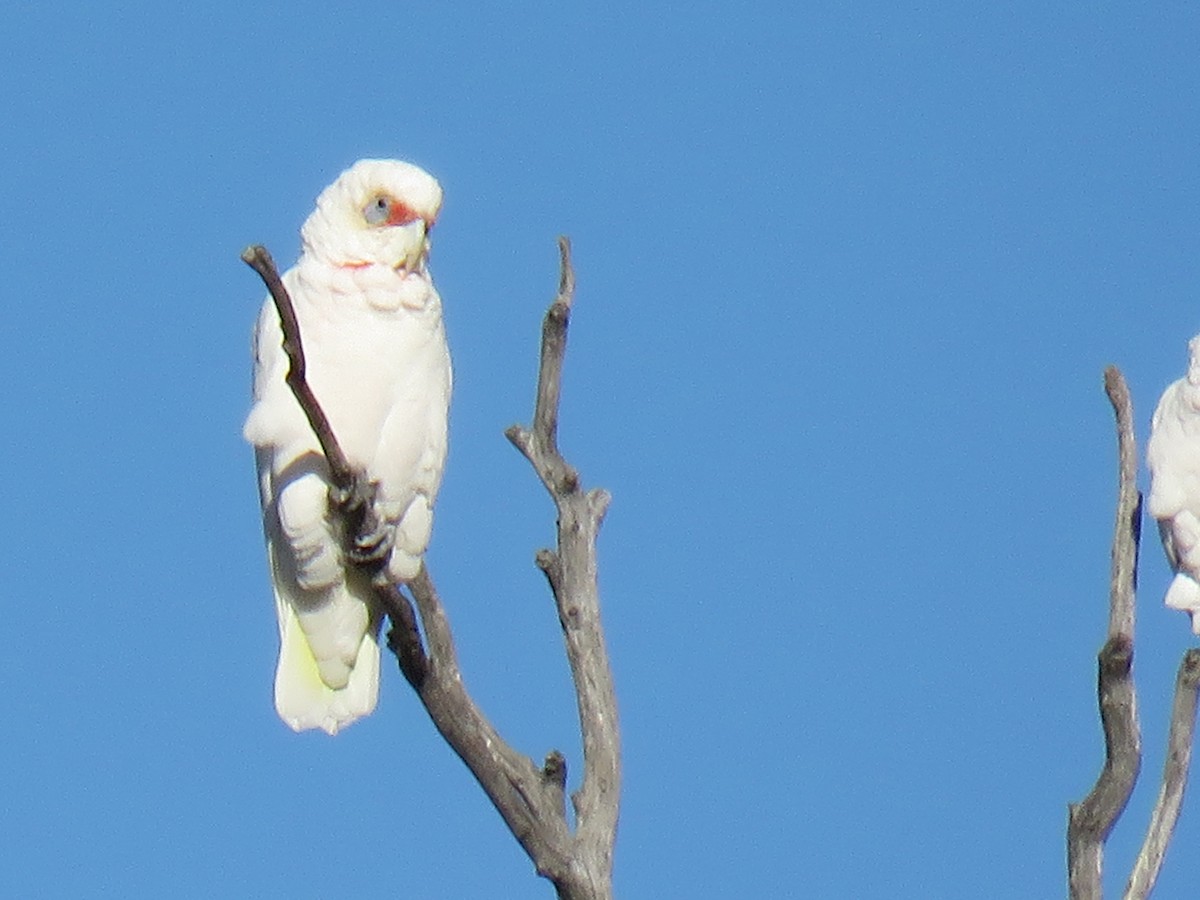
[540,444]
[1174,781]
[257,258]
[1091,820]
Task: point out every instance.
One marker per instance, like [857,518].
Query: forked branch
[571,569]
[531,799]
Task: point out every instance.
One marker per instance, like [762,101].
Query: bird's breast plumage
[374,365]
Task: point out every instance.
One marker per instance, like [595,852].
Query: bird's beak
[415,247]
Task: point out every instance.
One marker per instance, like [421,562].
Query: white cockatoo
[1173,458]
[371,325]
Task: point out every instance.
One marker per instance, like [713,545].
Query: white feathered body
[1173,458]
[378,363]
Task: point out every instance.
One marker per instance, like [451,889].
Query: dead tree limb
[257,258]
[1091,821]
[571,570]
[531,799]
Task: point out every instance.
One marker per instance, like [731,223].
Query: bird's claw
[369,538]
[352,500]
[372,547]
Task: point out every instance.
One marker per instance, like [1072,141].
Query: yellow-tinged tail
[303,699]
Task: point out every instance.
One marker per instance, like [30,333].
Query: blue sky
[848,278]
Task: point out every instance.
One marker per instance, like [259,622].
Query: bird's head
[377,212]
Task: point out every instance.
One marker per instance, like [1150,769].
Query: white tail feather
[302,699]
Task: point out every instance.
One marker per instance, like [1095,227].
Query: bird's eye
[378,211]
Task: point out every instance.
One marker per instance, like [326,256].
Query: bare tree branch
[571,571]
[530,799]
[1175,774]
[1091,821]
[1128,531]
[257,258]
